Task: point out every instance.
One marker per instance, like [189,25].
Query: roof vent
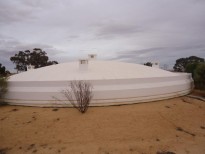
[83,64]
[155,64]
[92,56]
[30,67]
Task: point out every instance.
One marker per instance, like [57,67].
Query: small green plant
[3,88]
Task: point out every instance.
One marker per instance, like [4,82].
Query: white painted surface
[97,70]
[30,67]
[155,64]
[83,64]
[113,83]
[92,56]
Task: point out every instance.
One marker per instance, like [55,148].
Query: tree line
[38,58]
[195,66]
[3,71]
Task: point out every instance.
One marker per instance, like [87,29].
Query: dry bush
[79,94]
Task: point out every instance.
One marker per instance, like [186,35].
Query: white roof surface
[97,70]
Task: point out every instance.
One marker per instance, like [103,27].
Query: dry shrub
[79,94]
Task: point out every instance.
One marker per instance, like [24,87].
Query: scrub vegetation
[79,94]
[3,71]
[3,88]
[199,76]
[148,64]
[195,66]
[3,82]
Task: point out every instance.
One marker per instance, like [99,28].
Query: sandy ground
[198,93]
[175,125]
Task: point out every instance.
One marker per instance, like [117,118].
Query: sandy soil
[175,125]
[198,93]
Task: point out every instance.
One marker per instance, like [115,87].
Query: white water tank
[83,64]
[155,64]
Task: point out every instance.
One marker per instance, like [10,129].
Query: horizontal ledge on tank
[110,102]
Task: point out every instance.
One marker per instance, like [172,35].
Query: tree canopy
[38,58]
[181,63]
[3,81]
[195,66]
[199,76]
[3,71]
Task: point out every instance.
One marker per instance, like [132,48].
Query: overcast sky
[127,30]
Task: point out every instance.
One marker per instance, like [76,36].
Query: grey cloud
[74,36]
[164,55]
[164,30]
[111,30]
[12,45]
[11,11]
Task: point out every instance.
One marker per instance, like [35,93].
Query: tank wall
[106,92]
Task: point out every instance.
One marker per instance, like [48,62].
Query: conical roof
[96,70]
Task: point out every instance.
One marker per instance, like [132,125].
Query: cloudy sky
[126,30]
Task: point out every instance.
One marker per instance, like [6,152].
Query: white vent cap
[92,56]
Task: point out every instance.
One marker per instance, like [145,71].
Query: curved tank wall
[113,83]
[105,91]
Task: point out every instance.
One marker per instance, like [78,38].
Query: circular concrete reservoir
[113,83]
